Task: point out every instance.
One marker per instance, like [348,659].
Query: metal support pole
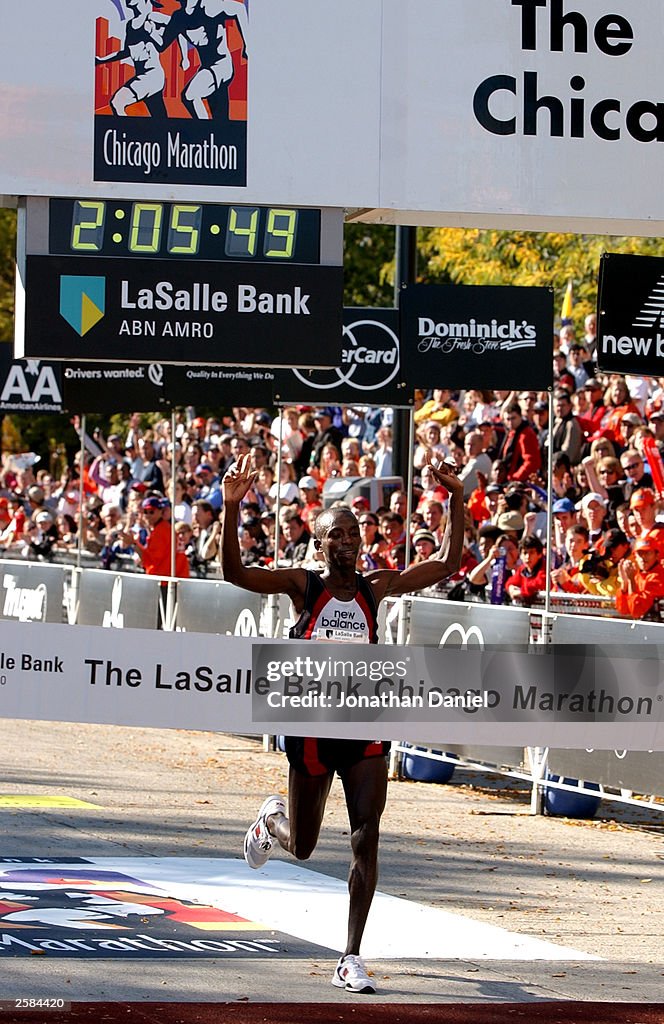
[81,493]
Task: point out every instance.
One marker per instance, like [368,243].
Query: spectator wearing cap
[424,546]
[592,509]
[326,433]
[511,524]
[591,421]
[529,578]
[643,505]
[641,582]
[564,516]
[41,534]
[627,428]
[635,474]
[598,571]
[566,435]
[208,485]
[155,551]
[520,448]
[359,504]
[308,490]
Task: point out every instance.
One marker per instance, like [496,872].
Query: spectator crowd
[606,437]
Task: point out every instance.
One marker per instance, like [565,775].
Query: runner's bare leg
[365,786]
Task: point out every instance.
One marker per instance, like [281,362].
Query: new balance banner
[630,322]
[370,368]
[462,336]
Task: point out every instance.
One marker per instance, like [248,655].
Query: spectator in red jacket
[530,577]
[520,448]
[641,584]
[155,553]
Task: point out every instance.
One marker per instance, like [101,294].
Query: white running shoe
[351,974]
[258,842]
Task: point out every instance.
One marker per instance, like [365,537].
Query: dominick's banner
[630,321]
[574,697]
[488,337]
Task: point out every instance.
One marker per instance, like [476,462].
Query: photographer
[598,571]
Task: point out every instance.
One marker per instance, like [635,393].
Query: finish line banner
[572,697]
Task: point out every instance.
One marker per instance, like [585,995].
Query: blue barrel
[562,803]
[425,769]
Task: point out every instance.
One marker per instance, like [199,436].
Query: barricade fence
[52,593]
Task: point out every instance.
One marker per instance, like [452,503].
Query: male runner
[143,38]
[202,24]
[361,765]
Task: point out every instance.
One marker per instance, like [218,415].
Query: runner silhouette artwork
[175,73]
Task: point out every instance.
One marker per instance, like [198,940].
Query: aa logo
[82,301]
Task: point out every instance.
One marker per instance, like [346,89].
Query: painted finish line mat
[190,907]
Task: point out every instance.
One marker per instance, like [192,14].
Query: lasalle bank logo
[82,301]
[171,91]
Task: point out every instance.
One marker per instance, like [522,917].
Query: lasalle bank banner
[490,112]
[572,696]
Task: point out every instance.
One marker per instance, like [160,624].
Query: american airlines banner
[505,113]
[574,697]
[28,385]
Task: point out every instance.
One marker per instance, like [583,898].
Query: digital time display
[189,231]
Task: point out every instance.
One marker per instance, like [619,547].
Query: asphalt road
[471,850]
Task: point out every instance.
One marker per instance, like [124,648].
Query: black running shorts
[324,756]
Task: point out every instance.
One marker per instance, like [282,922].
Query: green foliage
[472,256]
[7,259]
[369,260]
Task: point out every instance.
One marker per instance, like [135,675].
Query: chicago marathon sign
[171,93]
